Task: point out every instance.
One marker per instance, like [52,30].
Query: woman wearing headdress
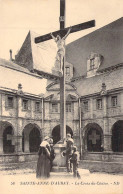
[43,163]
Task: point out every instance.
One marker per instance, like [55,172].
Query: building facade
[94,107]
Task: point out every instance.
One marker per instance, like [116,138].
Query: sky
[17,17]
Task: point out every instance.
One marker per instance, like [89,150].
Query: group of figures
[46,155]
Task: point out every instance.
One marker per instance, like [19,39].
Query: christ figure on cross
[61,48]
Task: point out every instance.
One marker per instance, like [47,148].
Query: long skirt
[43,167]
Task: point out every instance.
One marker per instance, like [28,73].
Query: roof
[107,41]
[12,65]
[12,74]
[39,56]
[91,85]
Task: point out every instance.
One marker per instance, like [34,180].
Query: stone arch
[7,143]
[56,133]
[31,138]
[117,136]
[93,138]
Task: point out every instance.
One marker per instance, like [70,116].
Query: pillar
[107,143]
[1,145]
[91,108]
[107,136]
[26,143]
[18,144]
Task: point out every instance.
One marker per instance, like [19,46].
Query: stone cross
[62,32]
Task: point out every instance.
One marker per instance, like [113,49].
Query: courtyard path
[25,182]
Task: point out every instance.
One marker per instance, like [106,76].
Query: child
[52,153]
[75,160]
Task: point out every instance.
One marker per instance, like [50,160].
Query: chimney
[10,55]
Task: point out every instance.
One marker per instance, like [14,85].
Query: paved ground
[19,181]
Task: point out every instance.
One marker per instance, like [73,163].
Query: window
[114,101]
[68,107]
[92,64]
[10,102]
[99,104]
[54,107]
[37,106]
[85,105]
[25,104]
[67,72]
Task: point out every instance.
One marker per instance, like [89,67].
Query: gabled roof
[107,41]
[55,86]
[56,97]
[37,56]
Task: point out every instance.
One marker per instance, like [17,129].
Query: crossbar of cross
[62,32]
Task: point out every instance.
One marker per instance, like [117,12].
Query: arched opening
[8,140]
[93,138]
[34,140]
[56,133]
[31,138]
[117,137]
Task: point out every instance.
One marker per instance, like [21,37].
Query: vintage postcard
[61,93]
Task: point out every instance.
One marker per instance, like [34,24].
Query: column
[107,136]
[1,145]
[91,108]
[107,143]
[26,144]
[19,144]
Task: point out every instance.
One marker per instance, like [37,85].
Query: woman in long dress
[43,164]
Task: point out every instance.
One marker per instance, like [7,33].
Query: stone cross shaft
[62,32]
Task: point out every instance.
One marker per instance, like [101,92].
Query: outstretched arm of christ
[67,34]
[53,37]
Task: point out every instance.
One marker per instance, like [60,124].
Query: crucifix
[59,37]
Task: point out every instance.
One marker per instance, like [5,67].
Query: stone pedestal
[59,163]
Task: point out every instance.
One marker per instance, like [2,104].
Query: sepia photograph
[61,96]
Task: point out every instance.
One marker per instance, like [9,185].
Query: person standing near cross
[61,48]
[61,60]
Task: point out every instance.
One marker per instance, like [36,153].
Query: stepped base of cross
[59,169]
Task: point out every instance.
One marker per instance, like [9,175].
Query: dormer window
[92,64]
[67,71]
